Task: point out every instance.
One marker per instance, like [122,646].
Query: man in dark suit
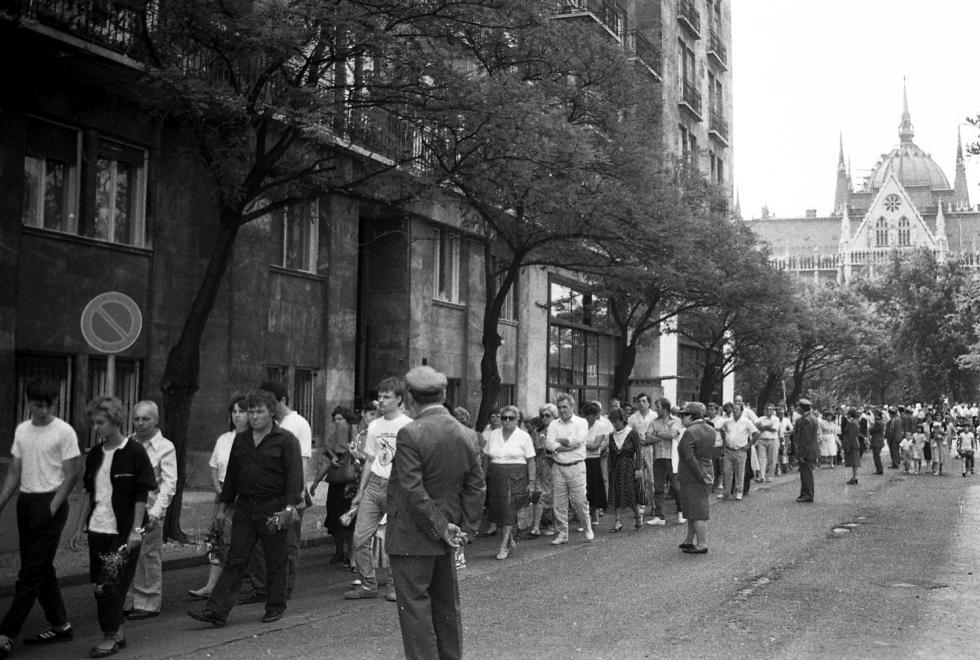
[806,433]
[435,497]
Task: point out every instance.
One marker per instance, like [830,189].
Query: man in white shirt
[640,421]
[372,493]
[739,435]
[566,438]
[146,592]
[662,434]
[46,464]
[768,445]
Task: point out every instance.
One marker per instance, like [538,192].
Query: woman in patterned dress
[624,450]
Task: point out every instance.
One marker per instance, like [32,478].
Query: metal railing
[689,17]
[606,12]
[117,26]
[691,97]
[717,50]
[718,124]
[644,50]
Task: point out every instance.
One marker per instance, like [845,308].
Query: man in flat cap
[435,497]
[806,432]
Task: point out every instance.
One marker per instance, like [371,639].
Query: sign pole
[110,377]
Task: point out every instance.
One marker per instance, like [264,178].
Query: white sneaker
[589,535]
[681,519]
[656,521]
[721,496]
[560,539]
[738,496]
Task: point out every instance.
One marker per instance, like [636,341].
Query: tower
[961,194]
[905,132]
[843,192]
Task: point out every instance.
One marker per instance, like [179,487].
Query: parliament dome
[911,166]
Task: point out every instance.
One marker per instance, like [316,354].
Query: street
[881,570]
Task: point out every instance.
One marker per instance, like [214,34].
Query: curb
[176,564]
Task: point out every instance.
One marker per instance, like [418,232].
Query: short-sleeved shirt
[42,451]
[576,430]
[221,453]
[515,450]
[381,443]
[601,427]
[298,426]
[738,432]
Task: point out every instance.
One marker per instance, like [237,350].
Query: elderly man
[434,499]
[566,438]
[662,434]
[146,592]
[806,442]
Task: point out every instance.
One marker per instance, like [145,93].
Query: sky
[806,72]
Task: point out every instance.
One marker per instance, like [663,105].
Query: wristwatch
[290,508]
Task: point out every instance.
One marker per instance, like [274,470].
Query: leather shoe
[251,597]
[139,615]
[207,616]
[804,499]
[391,596]
[272,615]
[98,652]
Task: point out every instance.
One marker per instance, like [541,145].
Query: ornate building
[906,202]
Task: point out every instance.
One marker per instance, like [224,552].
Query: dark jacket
[436,479]
[132,478]
[696,450]
[806,433]
[878,434]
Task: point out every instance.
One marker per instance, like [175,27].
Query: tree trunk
[709,378]
[490,339]
[181,375]
[624,368]
[765,394]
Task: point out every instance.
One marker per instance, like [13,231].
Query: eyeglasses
[546,414]
[508,418]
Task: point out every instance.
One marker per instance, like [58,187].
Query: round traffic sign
[111,322]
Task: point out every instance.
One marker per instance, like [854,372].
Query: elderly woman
[510,475]
[543,462]
[596,442]
[221,537]
[851,446]
[340,494]
[118,478]
[624,470]
[695,475]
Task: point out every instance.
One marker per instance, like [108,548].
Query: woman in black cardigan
[118,477]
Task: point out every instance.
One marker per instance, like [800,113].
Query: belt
[568,464]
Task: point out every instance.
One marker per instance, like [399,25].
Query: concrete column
[668,360]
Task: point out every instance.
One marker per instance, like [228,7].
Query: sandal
[534,533]
[618,527]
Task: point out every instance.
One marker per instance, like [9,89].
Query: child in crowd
[918,442]
[967,447]
[905,448]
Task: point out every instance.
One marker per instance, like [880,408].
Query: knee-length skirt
[505,481]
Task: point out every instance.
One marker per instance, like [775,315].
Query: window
[53,172]
[303,396]
[56,367]
[508,311]
[507,395]
[689,146]
[296,233]
[686,62]
[448,267]
[51,165]
[581,348]
[904,232]
[276,373]
[881,233]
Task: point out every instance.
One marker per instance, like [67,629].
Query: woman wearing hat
[695,475]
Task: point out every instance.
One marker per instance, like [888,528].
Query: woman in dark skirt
[511,470]
[118,478]
[339,495]
[624,470]
[595,443]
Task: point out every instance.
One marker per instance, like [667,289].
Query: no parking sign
[111,322]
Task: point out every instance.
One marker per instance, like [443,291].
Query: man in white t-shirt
[145,595]
[566,437]
[372,492]
[46,464]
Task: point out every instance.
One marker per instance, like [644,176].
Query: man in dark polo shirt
[265,482]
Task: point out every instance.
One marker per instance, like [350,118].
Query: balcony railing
[605,12]
[718,126]
[644,51]
[717,50]
[117,26]
[689,17]
[691,98]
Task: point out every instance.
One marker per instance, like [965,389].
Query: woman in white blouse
[511,471]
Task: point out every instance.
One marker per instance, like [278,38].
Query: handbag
[344,473]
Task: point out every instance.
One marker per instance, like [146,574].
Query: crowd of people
[405,464]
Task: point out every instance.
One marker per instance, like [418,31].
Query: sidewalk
[195,520]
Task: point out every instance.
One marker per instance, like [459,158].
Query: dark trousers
[876,457]
[39,535]
[894,452]
[967,463]
[111,582]
[663,478]
[428,606]
[248,528]
[806,479]
[256,567]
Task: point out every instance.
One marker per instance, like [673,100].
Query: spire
[905,132]
[842,193]
[845,228]
[961,193]
[941,230]
[737,213]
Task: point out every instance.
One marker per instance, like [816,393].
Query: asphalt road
[781,580]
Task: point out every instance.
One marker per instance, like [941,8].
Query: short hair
[853,413]
[566,397]
[110,406]
[510,409]
[278,390]
[261,397]
[346,413]
[642,395]
[151,406]
[663,402]
[460,413]
[394,385]
[549,408]
[237,399]
[590,408]
[43,389]
[728,407]
[617,415]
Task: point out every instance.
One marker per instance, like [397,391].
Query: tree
[271,94]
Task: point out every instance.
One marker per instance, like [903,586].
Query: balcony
[718,127]
[689,17]
[691,99]
[644,52]
[608,14]
[717,51]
